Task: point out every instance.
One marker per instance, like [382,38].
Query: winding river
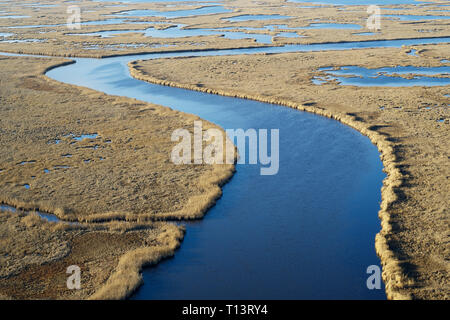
[306,233]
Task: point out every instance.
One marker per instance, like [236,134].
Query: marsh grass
[127,277]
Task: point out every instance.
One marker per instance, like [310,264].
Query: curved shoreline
[195,208]
[105,56]
[393,274]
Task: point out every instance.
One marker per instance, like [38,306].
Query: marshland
[87,115]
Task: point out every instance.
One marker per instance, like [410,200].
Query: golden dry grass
[35,110]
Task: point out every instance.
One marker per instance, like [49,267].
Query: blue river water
[307,232]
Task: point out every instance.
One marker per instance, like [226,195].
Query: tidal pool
[318,215]
[413,53]
[365,34]
[179,31]
[390,77]
[14,17]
